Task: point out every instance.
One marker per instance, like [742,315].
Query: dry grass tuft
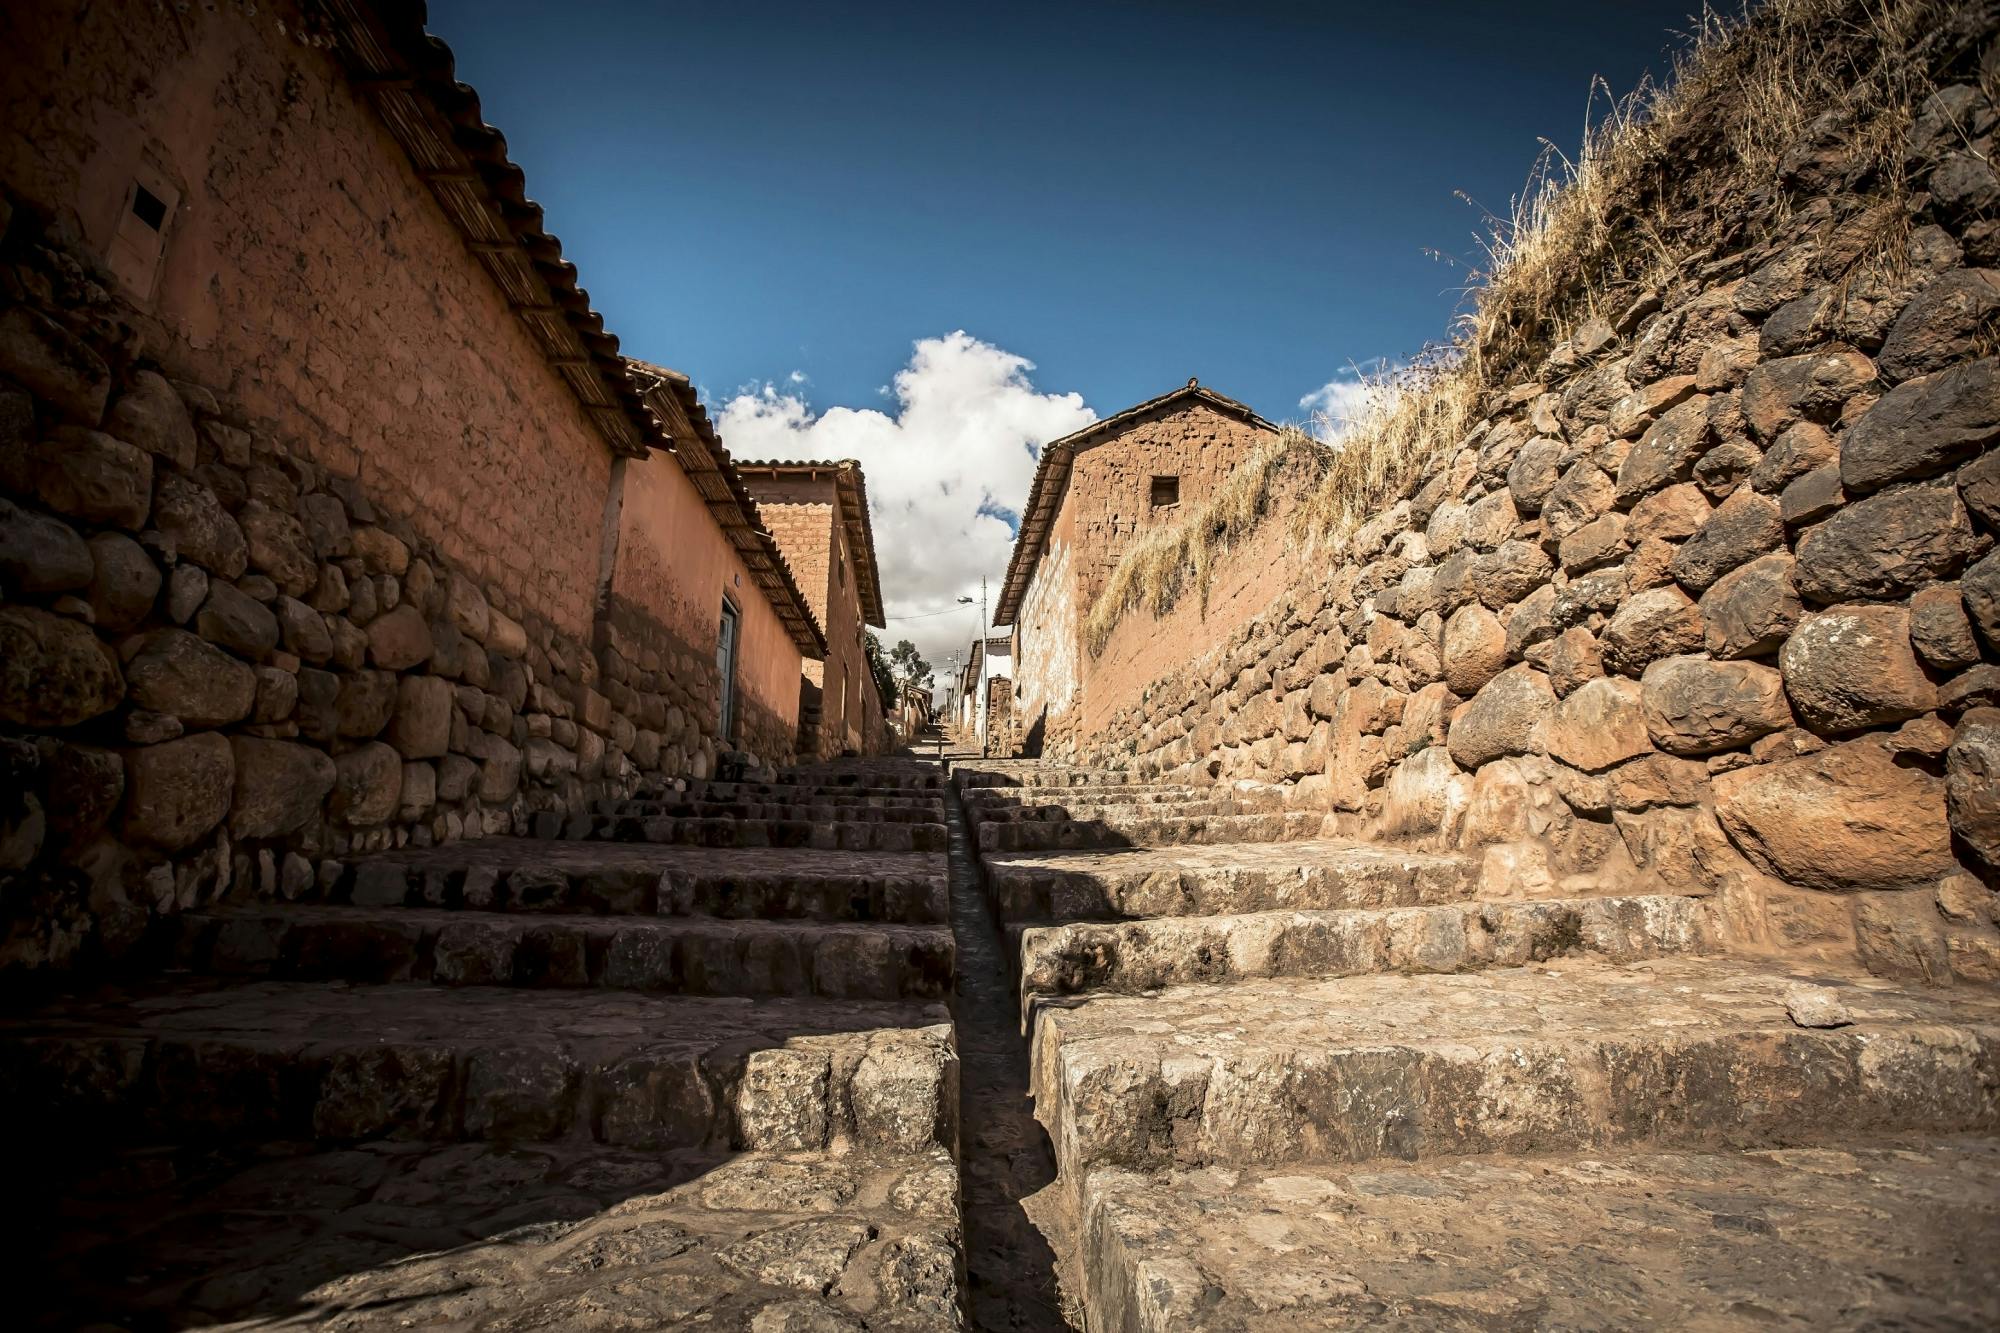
[1164,565]
[1669,176]
[1660,183]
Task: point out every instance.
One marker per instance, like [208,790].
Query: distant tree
[885,675]
[909,665]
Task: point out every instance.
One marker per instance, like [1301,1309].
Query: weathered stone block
[1940,631]
[1799,448]
[40,554]
[368,786]
[1475,649]
[54,672]
[421,728]
[1696,706]
[1886,546]
[124,582]
[1583,493]
[1941,324]
[1598,724]
[1649,625]
[178,791]
[1749,611]
[1743,527]
[1972,784]
[1849,817]
[54,364]
[192,516]
[279,786]
[278,546]
[229,619]
[175,673]
[89,475]
[399,640]
[1813,387]
[1666,453]
[150,414]
[1812,497]
[1504,718]
[1852,667]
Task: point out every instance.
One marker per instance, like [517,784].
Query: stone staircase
[685,1058]
[1299,1082]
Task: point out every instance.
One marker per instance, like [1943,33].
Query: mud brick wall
[1109,500]
[1106,506]
[672,567]
[803,515]
[310,279]
[1713,601]
[299,549]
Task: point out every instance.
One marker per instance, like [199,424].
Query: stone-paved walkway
[641,1075]
[1293,1082]
[1005,1155]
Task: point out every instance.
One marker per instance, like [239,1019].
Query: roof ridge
[1052,470]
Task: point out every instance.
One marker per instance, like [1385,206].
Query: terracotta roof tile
[409,75]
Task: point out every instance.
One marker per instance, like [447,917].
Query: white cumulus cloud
[948,467]
[1335,406]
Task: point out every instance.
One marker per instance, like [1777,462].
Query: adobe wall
[1144,647]
[1108,501]
[1713,603]
[803,516]
[1048,642]
[298,561]
[1106,505]
[310,278]
[674,566]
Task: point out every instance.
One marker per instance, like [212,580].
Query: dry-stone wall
[221,666]
[1714,600]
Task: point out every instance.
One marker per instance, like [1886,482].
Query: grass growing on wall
[1167,563]
[1659,185]
[1654,190]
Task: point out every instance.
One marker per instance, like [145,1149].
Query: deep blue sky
[1125,194]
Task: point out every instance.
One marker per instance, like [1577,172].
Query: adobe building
[818,514]
[334,520]
[1094,492]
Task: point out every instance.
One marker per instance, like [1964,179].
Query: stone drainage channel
[1005,1157]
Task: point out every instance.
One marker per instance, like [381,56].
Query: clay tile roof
[409,76]
[852,488]
[1045,493]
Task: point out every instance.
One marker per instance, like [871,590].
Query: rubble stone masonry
[301,536]
[1711,602]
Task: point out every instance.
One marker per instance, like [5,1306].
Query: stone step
[1127,957]
[907,775]
[675,955]
[789,791]
[981,799]
[841,835]
[1120,813]
[393,1234]
[1143,830]
[1903,1234]
[619,879]
[1311,874]
[1554,1058]
[829,811]
[979,774]
[331,1061]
